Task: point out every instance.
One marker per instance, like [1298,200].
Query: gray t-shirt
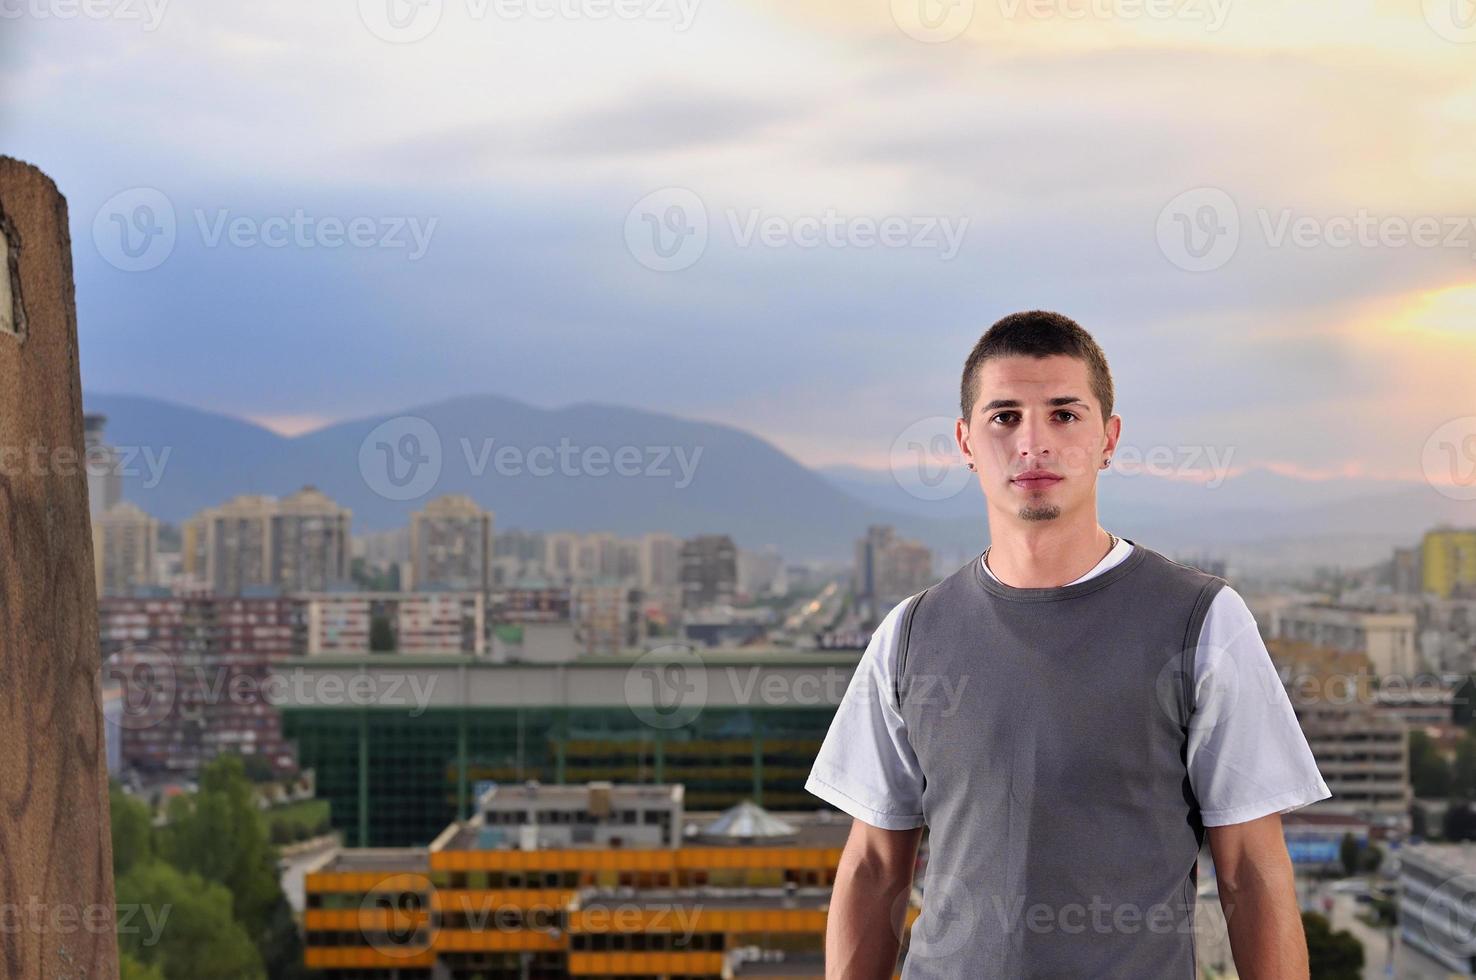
[1026,725]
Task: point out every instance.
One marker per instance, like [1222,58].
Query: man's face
[1036,415]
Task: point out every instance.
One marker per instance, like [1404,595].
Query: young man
[1070,714]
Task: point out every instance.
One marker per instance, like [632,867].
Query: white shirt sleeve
[1247,756]
[866,766]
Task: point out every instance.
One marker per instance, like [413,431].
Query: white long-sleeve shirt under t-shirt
[1246,754]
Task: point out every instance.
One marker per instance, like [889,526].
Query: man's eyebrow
[1015,403]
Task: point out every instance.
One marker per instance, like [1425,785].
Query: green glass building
[399,742]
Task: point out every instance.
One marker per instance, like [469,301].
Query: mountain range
[594,466]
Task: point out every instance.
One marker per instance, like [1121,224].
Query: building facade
[297,544]
[709,570]
[888,569]
[393,622]
[451,546]
[1386,638]
[1448,562]
[125,548]
[401,762]
[598,880]
[194,674]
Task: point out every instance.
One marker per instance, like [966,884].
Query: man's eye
[1067,412]
[1000,416]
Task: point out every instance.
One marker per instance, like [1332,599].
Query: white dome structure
[748,823]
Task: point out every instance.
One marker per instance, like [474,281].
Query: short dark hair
[1038,333]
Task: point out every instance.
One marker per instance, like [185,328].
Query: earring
[971,466]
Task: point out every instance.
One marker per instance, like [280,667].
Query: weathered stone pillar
[56,875]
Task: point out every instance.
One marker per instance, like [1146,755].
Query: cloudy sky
[795,216]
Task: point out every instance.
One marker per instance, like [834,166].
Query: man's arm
[1259,896]
[868,907]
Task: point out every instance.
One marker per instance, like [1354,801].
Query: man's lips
[1035,479]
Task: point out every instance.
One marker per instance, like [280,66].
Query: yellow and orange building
[588,881]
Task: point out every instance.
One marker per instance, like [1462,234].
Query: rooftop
[386,859]
[574,794]
[1457,857]
[705,899]
[718,656]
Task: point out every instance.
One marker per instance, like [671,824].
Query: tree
[259,768]
[1463,772]
[1461,705]
[1348,854]
[381,635]
[131,969]
[1419,821]
[181,925]
[281,947]
[1459,823]
[1331,955]
[133,830]
[1428,772]
[219,834]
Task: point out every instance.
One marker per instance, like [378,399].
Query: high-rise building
[1362,751]
[451,545]
[517,554]
[760,573]
[104,474]
[888,569]
[1405,571]
[661,560]
[1386,638]
[1448,562]
[607,616]
[297,544]
[571,556]
[125,542]
[561,555]
[310,542]
[661,576]
[709,570]
[194,550]
[194,674]
[237,544]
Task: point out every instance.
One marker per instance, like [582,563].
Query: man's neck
[1046,558]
